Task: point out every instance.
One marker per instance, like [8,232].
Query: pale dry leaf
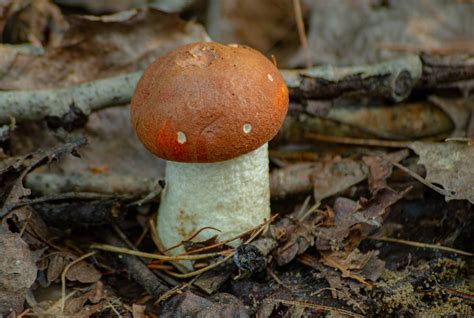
[359,32]
[55,267]
[98,47]
[449,164]
[337,176]
[83,273]
[17,272]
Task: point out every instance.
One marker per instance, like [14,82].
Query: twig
[115,249]
[63,277]
[422,180]
[257,232]
[393,79]
[358,141]
[128,186]
[314,306]
[190,237]
[69,104]
[334,290]
[301,32]
[202,270]
[421,245]
[55,197]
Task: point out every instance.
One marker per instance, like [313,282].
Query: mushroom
[209,109]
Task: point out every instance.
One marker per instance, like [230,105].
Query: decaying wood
[69,107]
[394,79]
[128,186]
[293,179]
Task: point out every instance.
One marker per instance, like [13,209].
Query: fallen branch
[69,107]
[128,186]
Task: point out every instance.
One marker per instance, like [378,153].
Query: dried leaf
[450,165]
[458,110]
[402,27]
[55,267]
[259,24]
[297,237]
[355,264]
[17,272]
[83,273]
[352,222]
[380,168]
[99,47]
[189,304]
[82,303]
[337,176]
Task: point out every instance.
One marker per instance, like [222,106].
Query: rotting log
[69,107]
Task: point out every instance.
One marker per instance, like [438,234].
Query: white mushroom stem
[232,196]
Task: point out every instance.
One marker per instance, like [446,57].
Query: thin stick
[301,32]
[421,245]
[115,249]
[340,292]
[232,238]
[422,180]
[358,141]
[159,245]
[63,277]
[260,229]
[193,235]
[202,270]
[314,306]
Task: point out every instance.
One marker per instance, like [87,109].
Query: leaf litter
[324,257]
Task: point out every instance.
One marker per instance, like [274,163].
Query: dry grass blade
[115,249]
[421,245]
[315,306]
[258,230]
[63,277]
[422,180]
[358,141]
[206,248]
[301,32]
[202,270]
[193,235]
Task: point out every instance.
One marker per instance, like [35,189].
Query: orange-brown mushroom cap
[208,102]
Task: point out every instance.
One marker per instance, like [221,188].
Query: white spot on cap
[181,137]
[270,78]
[233,45]
[247,128]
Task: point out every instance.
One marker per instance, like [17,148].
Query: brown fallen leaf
[353,221]
[83,272]
[294,236]
[335,177]
[55,267]
[17,272]
[98,47]
[189,304]
[81,303]
[418,23]
[266,25]
[355,265]
[380,169]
